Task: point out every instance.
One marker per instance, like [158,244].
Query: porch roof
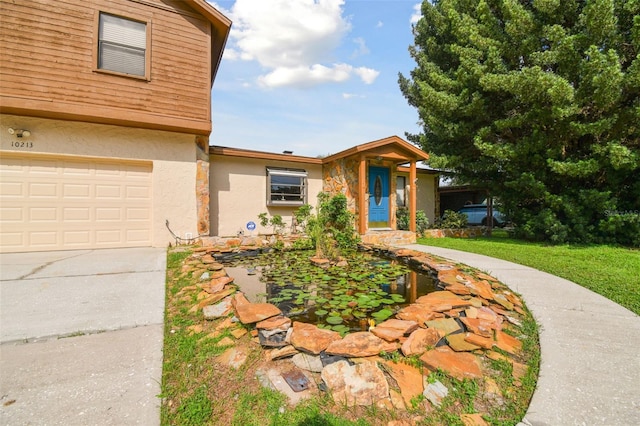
[392,148]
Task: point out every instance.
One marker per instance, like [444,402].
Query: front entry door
[378,197]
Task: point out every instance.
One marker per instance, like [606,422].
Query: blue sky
[313,76]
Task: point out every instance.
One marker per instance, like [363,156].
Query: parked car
[477,215]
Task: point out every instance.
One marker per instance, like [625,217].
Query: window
[401,183]
[122,45]
[286,187]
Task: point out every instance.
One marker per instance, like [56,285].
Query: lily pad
[334,320]
[321,312]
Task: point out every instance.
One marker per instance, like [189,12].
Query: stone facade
[457,233]
[341,177]
[388,238]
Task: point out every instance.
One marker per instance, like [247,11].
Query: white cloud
[362,47]
[368,75]
[417,13]
[351,95]
[380,24]
[293,40]
[307,76]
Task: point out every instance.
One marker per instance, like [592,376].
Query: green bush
[452,220]
[402,220]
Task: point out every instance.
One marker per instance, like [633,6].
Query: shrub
[402,220]
[452,220]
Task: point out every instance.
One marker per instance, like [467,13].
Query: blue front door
[378,197]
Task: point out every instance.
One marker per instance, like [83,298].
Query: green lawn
[613,272]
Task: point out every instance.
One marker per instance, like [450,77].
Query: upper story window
[286,187]
[122,45]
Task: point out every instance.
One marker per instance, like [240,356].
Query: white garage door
[55,203]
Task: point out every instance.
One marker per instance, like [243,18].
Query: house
[376,177]
[105,116]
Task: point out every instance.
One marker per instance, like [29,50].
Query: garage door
[54,203]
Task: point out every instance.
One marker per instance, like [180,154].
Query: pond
[348,298]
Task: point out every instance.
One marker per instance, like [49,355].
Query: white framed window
[286,187]
[401,194]
[122,45]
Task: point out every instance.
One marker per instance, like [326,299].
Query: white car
[477,215]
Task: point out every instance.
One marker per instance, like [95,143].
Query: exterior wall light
[21,133]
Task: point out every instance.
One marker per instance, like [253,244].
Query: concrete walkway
[590,346]
[81,336]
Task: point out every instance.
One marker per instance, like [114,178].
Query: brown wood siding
[49,53]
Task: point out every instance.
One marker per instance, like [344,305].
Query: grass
[197,389]
[607,270]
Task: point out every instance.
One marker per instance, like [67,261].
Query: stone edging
[455,330]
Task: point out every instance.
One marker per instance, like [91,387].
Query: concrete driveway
[81,336]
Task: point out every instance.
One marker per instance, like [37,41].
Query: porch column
[362,196]
[412,197]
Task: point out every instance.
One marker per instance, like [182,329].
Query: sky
[313,76]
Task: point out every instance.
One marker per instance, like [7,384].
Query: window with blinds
[286,187]
[122,45]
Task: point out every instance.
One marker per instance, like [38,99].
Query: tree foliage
[537,101]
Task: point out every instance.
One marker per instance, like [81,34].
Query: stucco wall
[173,156]
[426,195]
[238,191]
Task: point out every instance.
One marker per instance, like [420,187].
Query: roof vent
[287,152]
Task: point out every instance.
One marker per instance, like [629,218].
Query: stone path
[590,368]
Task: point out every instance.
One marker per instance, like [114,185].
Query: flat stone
[240,299]
[226,341]
[471,312]
[280,323]
[508,343]
[215,266]
[255,312]
[478,326]
[309,338]
[460,365]
[409,380]
[217,284]
[443,298]
[359,384]
[458,343]
[483,342]
[284,352]
[238,332]
[420,341]
[233,357]
[210,300]
[394,329]
[519,370]
[459,289]
[502,300]
[419,313]
[446,325]
[277,382]
[473,420]
[358,344]
[396,400]
[308,362]
[221,309]
[435,393]
[481,289]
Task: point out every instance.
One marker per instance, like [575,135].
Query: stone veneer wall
[341,177]
[388,238]
[457,233]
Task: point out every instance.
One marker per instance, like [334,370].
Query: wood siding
[49,54]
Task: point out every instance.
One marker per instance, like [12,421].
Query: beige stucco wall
[238,191]
[173,156]
[426,196]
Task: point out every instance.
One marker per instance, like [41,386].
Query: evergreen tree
[537,101]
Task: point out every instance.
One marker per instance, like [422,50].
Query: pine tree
[539,102]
